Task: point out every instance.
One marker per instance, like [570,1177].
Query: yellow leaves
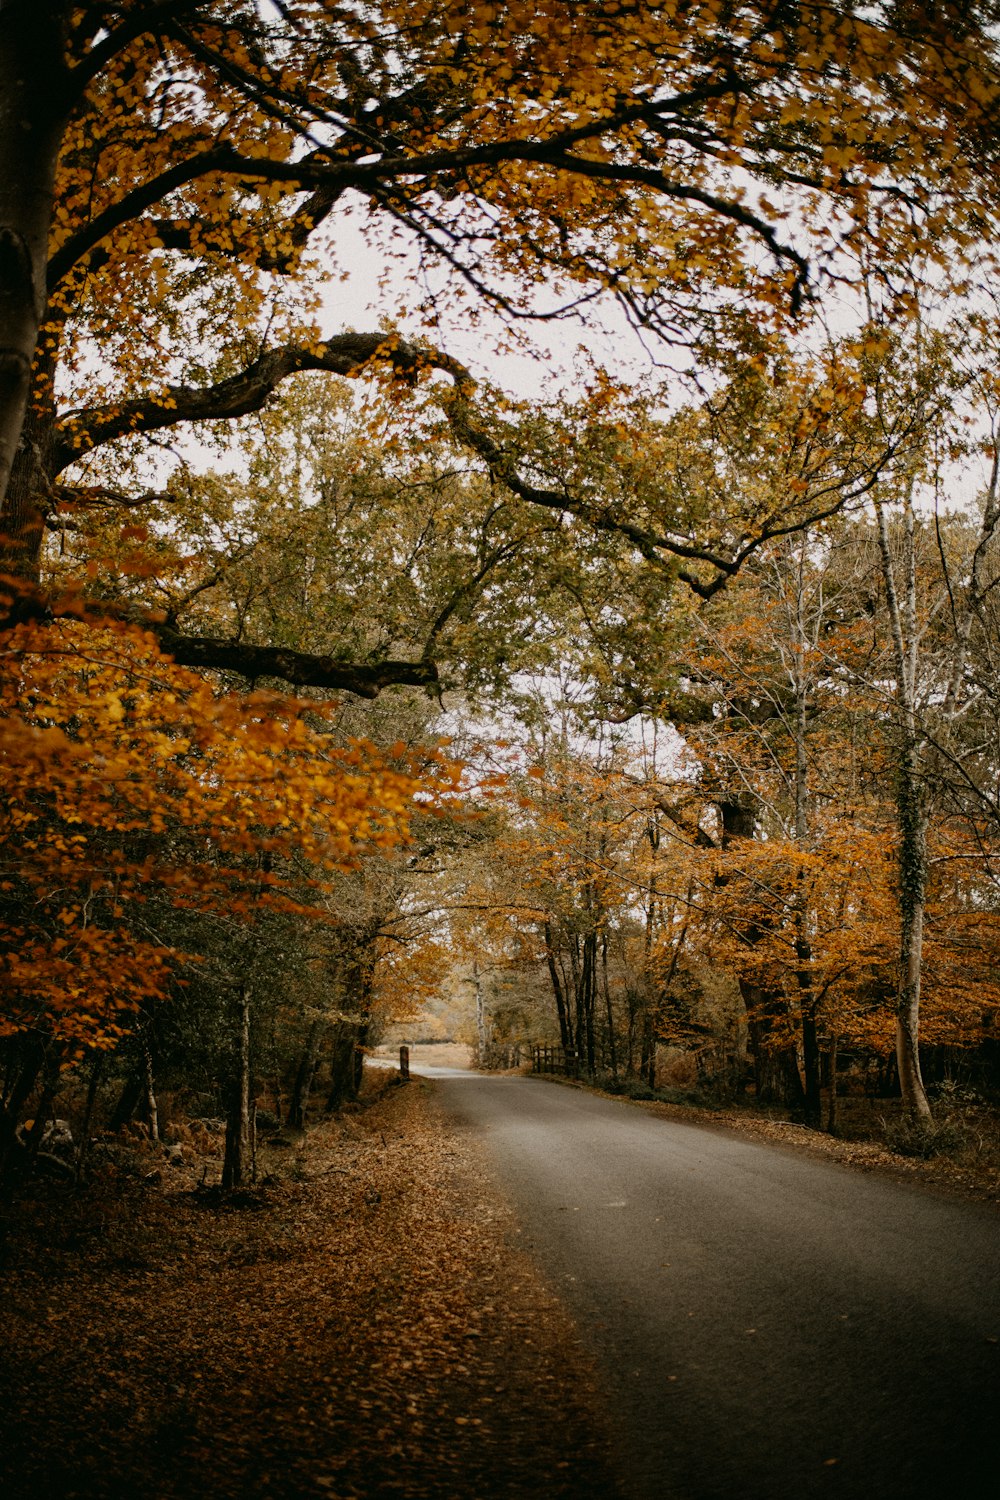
[839,157]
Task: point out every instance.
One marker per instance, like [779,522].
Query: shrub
[925,1138]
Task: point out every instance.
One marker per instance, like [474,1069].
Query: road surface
[766,1326]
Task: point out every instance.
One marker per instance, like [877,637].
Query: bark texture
[33,101]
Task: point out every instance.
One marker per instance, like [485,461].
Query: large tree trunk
[777,1079]
[33,105]
[25,506]
[346,1066]
[812,1068]
[912,880]
[808,1004]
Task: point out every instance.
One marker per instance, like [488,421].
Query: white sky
[375,285]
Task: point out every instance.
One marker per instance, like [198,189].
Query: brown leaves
[366,1330]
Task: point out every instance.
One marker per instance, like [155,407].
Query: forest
[645,707]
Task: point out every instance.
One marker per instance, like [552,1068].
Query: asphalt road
[766,1326]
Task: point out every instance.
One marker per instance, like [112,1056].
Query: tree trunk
[236,1160]
[808,1005]
[832,1120]
[33,106]
[811,1068]
[19,1087]
[149,1093]
[128,1101]
[777,1079]
[351,1034]
[912,866]
[565,1028]
[305,1073]
[632,999]
[912,820]
[50,1082]
[482,1036]
[83,1150]
[612,1051]
[588,986]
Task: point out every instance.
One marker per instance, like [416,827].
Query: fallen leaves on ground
[363,1326]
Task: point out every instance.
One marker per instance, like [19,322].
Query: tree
[802,759]
[348,530]
[165,163]
[136,795]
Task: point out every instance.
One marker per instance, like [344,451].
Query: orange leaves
[151,786]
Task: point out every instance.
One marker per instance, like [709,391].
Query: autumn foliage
[125,776]
[178,182]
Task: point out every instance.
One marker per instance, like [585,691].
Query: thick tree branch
[80,433]
[145,20]
[327,177]
[21,603]
[348,354]
[299,668]
[134,204]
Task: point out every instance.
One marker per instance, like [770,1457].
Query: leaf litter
[362,1326]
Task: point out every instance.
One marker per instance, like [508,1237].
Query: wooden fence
[555,1060]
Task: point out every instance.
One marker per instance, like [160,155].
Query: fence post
[404,1064]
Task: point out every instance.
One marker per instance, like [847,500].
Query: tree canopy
[771,196]
[172,175]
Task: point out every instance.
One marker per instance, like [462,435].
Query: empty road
[766,1326]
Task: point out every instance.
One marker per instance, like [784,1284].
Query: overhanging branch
[80,433]
[21,603]
[298,668]
[350,354]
